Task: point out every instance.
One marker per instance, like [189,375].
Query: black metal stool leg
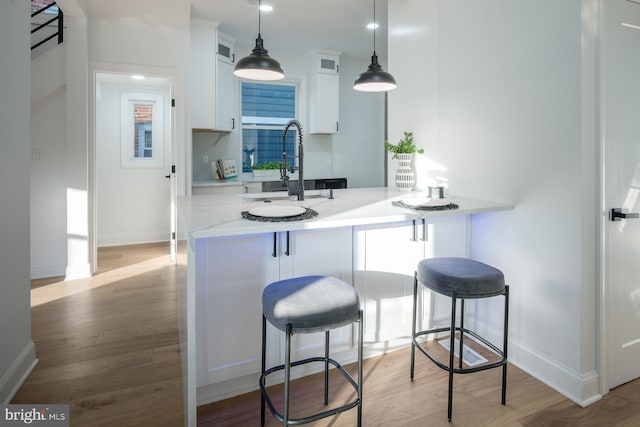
[326,368]
[451,353]
[413,325]
[461,333]
[360,377]
[264,366]
[287,376]
[505,344]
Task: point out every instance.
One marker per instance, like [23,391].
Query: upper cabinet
[324,92]
[212,85]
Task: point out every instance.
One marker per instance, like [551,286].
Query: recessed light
[266,8]
[372,25]
[137,77]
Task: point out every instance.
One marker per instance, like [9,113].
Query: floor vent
[470,356]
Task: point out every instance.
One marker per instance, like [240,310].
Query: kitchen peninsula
[359,236]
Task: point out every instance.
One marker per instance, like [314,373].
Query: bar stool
[305,305]
[460,278]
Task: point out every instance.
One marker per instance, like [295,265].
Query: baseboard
[580,388]
[131,239]
[17,373]
[50,270]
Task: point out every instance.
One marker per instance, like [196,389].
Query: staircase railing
[58,17]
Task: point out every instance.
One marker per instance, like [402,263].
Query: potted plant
[404,146]
[267,170]
[403,151]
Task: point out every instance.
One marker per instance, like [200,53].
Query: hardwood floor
[391,399]
[108,347]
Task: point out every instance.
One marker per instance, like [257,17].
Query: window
[266,109]
[142,137]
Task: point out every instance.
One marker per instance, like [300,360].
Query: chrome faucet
[283,166]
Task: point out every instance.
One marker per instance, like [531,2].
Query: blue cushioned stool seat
[466,277]
[460,279]
[310,304]
[304,305]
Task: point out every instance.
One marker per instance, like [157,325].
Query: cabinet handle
[415,232]
[233,123]
[287,251]
[425,231]
[337,127]
[275,248]
[233,58]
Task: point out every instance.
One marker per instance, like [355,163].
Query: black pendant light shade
[375,79]
[259,65]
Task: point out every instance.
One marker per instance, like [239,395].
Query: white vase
[405,178]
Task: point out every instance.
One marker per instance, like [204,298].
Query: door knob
[616,214]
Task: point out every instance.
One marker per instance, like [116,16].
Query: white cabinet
[229,280]
[212,86]
[386,257]
[324,92]
[225,84]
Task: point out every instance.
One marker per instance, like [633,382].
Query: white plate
[426,202]
[277,211]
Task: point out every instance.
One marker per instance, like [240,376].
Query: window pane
[264,104]
[266,108]
[265,145]
[143,138]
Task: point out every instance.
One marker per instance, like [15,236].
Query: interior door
[621,127]
[133,157]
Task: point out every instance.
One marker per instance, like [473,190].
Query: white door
[133,160]
[621,128]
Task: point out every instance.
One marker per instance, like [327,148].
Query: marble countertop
[205,216]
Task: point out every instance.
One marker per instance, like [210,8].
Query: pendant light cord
[374,26]
[259,15]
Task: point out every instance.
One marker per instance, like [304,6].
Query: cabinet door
[225,99]
[324,104]
[386,257]
[318,252]
[230,275]
[202,76]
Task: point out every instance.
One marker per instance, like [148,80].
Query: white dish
[426,202]
[277,211]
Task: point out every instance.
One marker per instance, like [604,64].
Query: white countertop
[207,216]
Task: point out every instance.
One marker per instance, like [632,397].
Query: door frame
[176,91]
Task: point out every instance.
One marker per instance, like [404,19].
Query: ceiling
[293,26]
[301,25]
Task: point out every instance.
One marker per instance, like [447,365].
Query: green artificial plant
[404,146]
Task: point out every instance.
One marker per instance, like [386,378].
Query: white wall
[356,152]
[495,94]
[48,162]
[17,354]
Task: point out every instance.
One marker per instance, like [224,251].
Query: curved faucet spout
[283,167]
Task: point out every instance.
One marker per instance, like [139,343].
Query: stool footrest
[447,368]
[318,416]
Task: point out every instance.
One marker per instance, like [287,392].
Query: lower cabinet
[379,260]
[230,275]
[385,259]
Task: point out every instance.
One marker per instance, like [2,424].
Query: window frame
[279,123]
[128,100]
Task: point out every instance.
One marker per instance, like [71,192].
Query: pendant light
[375,79]
[259,65]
